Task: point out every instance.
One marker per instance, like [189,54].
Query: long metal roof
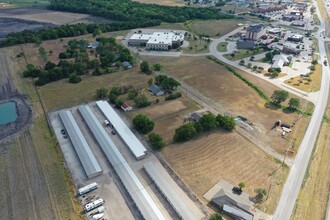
[131,182]
[86,157]
[164,185]
[135,146]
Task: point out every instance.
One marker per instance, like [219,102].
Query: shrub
[143,124]
[157,142]
[141,101]
[173,96]
[185,132]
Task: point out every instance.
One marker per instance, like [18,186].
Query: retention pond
[8,112]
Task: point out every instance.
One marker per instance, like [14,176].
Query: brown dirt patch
[205,160]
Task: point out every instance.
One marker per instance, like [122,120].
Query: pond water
[8,112]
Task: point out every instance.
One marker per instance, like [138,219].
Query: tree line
[72,31]
[127,10]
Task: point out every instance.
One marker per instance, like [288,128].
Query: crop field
[231,95]
[163,2]
[204,161]
[32,169]
[213,28]
[313,197]
[47,16]
[306,86]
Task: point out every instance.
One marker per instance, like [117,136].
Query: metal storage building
[132,184]
[86,157]
[135,146]
[169,193]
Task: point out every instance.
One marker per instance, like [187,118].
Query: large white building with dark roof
[157,40]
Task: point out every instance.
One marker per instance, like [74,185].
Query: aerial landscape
[164,109]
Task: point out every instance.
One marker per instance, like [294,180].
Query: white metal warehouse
[145,204]
[169,193]
[86,157]
[135,146]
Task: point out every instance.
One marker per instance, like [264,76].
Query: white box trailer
[93,205]
[87,189]
[101,209]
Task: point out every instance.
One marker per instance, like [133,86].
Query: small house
[126,107]
[156,90]
[126,65]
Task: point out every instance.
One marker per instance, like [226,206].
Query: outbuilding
[156,90]
[126,65]
[126,107]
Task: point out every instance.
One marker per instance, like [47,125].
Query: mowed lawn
[230,94]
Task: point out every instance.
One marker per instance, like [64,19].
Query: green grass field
[243,54]
[222,47]
[28,3]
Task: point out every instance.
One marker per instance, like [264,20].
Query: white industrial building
[157,40]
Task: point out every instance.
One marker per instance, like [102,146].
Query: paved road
[293,184]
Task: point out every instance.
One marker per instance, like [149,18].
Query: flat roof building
[254,32]
[157,40]
[85,155]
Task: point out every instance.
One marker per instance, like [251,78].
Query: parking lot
[118,204]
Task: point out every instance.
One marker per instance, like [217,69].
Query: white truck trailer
[87,189]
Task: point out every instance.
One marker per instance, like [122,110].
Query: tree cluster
[108,51]
[157,142]
[143,124]
[172,96]
[206,123]
[127,10]
[72,31]
[166,83]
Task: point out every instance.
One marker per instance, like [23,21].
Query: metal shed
[86,157]
[135,146]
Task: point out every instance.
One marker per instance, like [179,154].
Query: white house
[279,61]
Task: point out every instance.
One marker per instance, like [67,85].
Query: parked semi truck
[87,189]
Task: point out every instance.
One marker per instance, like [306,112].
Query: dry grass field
[306,86]
[313,197]
[205,160]
[232,95]
[33,174]
[213,27]
[163,2]
[43,15]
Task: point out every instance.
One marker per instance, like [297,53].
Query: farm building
[126,107]
[156,90]
[279,61]
[85,155]
[254,32]
[157,40]
[222,194]
[236,213]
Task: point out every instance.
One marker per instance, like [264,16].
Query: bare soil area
[204,161]
[231,95]
[47,16]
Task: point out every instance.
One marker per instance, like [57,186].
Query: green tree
[279,96]
[102,93]
[157,67]
[242,62]
[215,216]
[141,101]
[132,94]
[312,68]
[150,81]
[143,124]
[156,141]
[74,78]
[294,103]
[249,65]
[145,68]
[96,32]
[227,123]
[260,194]
[208,122]
[185,132]
[314,62]
[119,102]
[241,185]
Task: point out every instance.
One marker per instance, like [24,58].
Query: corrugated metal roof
[86,157]
[131,182]
[170,194]
[135,146]
[238,213]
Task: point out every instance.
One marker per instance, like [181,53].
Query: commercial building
[279,61]
[254,32]
[157,40]
[295,38]
[134,145]
[85,155]
[290,50]
[248,45]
